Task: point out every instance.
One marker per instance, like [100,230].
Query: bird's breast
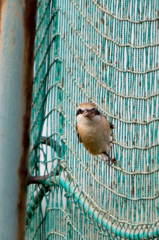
[94,136]
[90,139]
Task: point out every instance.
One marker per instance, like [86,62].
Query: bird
[94,130]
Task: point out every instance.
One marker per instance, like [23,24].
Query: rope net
[105,52]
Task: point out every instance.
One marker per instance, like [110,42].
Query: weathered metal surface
[17,33]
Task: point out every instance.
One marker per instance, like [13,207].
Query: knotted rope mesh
[105,52]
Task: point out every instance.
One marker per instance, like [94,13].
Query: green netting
[107,52]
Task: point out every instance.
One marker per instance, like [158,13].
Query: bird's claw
[113,161]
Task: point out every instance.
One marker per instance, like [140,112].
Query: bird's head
[88,110]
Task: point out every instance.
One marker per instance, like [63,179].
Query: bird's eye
[80,111]
[97,112]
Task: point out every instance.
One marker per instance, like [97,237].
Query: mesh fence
[106,52]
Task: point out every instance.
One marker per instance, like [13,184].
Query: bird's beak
[86,114]
[89,114]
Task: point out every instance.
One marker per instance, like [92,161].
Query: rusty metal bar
[17,33]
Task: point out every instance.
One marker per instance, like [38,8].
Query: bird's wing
[79,139]
[110,124]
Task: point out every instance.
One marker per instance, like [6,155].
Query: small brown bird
[93,130]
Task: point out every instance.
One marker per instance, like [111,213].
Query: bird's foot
[107,158]
[113,161]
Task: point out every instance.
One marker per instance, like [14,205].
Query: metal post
[17,32]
